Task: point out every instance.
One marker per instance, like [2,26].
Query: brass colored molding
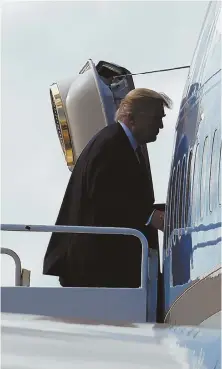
[61,122]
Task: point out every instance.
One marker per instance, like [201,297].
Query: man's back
[107,188]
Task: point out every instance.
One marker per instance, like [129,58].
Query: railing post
[18,267]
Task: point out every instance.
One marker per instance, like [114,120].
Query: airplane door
[84,105]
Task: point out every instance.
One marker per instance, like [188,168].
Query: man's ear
[131,119]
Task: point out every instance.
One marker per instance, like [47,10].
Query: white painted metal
[106,304]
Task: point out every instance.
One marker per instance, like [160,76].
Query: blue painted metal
[192,244]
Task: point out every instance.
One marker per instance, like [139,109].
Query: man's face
[148,122]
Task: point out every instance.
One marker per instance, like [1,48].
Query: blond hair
[140,97]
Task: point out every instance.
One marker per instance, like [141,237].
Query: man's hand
[157,220]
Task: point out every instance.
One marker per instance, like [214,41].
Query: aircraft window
[171,201]
[204,168]
[219,179]
[188,190]
[176,198]
[167,216]
[195,185]
[181,193]
[213,173]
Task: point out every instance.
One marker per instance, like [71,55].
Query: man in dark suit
[110,186]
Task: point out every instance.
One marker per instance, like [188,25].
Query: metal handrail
[18,266]
[91,230]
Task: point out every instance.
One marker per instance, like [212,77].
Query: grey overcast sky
[43,42]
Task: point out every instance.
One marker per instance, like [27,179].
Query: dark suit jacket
[107,188]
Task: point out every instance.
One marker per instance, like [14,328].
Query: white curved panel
[82,106]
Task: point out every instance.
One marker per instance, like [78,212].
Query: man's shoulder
[112,130]
[108,142]
[106,137]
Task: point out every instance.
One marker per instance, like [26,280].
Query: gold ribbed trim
[61,124]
